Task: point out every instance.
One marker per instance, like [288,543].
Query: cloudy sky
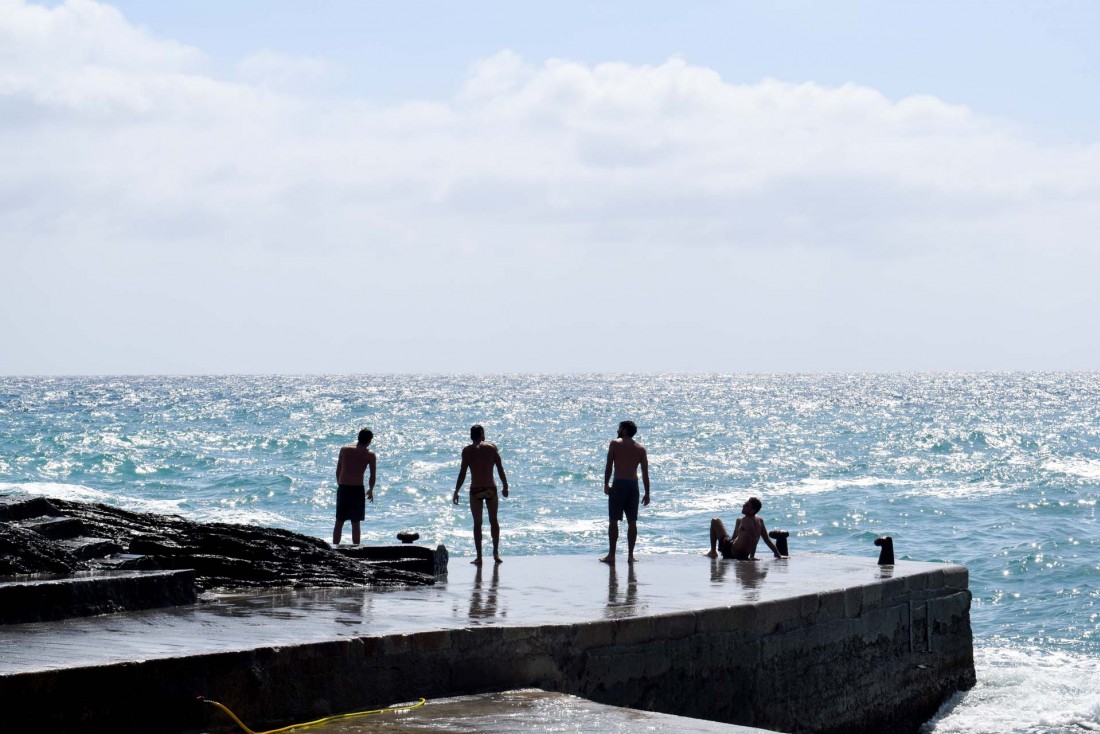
[350,187]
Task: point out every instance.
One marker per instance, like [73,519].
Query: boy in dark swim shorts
[725,547]
[351,503]
[748,531]
[625,457]
[623,500]
[351,495]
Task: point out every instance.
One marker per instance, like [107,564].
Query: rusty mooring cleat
[886,554]
[780,538]
[408,536]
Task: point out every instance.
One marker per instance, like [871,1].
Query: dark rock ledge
[45,539]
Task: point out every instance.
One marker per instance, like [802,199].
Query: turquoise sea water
[1000,472]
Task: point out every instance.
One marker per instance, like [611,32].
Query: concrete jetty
[807,644]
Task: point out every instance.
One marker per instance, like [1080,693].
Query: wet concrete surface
[524,590]
[528,710]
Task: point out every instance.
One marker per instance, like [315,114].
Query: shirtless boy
[350,498]
[624,456]
[748,531]
[480,457]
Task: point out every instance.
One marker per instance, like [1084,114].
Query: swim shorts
[623,500]
[483,493]
[725,547]
[351,502]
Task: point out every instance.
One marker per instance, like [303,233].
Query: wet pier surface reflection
[523,591]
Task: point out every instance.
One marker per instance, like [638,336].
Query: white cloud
[275,71]
[495,76]
[80,34]
[123,152]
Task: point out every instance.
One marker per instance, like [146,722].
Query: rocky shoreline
[50,539]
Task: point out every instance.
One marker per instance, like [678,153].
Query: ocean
[999,472]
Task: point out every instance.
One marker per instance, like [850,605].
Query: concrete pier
[807,644]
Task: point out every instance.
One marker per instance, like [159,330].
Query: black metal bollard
[886,554]
[408,536]
[780,538]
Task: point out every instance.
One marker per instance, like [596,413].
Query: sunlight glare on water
[999,472]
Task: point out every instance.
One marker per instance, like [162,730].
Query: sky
[485,187]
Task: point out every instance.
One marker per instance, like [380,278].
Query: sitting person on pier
[746,534]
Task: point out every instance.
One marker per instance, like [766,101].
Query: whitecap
[1085,468]
[566,525]
[821,486]
[427,469]
[239,516]
[709,502]
[80,493]
[166,507]
[74,492]
[1025,690]
[960,491]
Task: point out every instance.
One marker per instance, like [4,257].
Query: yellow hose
[240,723]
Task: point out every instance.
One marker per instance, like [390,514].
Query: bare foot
[476,561]
[631,559]
[498,559]
[608,559]
[712,554]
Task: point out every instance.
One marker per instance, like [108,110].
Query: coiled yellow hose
[240,723]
